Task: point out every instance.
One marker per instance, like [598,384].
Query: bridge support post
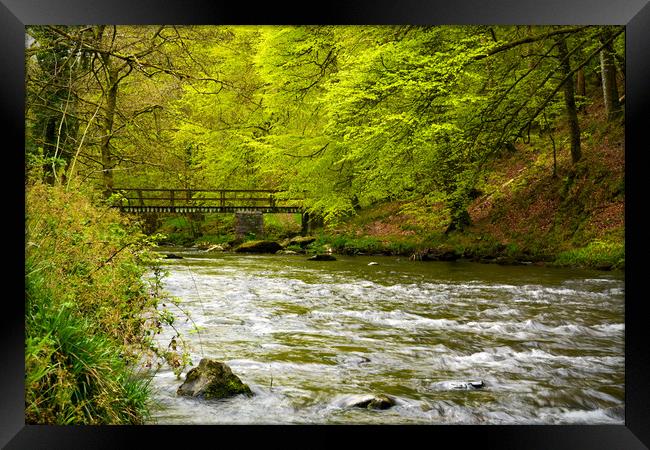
[249,222]
[310,223]
[304,223]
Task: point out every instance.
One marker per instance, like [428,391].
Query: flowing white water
[547,343]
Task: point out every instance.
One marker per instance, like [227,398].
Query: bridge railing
[206,199]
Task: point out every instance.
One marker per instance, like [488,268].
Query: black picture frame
[635,14]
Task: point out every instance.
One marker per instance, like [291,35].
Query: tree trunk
[608,76]
[55,102]
[570,102]
[581,89]
[107,157]
[110,91]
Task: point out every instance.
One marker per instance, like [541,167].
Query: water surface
[548,343]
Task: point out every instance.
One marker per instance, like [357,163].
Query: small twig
[198,331]
[108,260]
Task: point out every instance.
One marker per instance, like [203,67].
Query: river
[548,343]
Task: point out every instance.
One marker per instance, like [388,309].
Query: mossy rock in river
[302,241]
[212,380]
[259,247]
[172,256]
[321,257]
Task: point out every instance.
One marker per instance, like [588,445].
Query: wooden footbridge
[140,200]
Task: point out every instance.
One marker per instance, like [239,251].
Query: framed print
[368,218]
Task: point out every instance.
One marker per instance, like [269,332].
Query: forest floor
[524,212]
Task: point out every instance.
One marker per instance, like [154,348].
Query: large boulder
[302,241]
[259,247]
[212,380]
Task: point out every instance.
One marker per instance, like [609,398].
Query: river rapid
[548,343]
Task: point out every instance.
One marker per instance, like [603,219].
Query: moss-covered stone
[212,380]
[302,241]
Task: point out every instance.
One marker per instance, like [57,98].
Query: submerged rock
[212,380]
[259,247]
[321,257]
[368,401]
[459,385]
[202,245]
[355,360]
[172,256]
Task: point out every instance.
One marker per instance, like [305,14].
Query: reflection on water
[304,335]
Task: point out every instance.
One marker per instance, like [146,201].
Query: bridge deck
[210,209]
[145,200]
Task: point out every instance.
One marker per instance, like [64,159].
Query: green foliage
[181,239]
[365,245]
[342,116]
[178,231]
[278,226]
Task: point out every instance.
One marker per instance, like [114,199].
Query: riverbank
[90,317]
[600,255]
